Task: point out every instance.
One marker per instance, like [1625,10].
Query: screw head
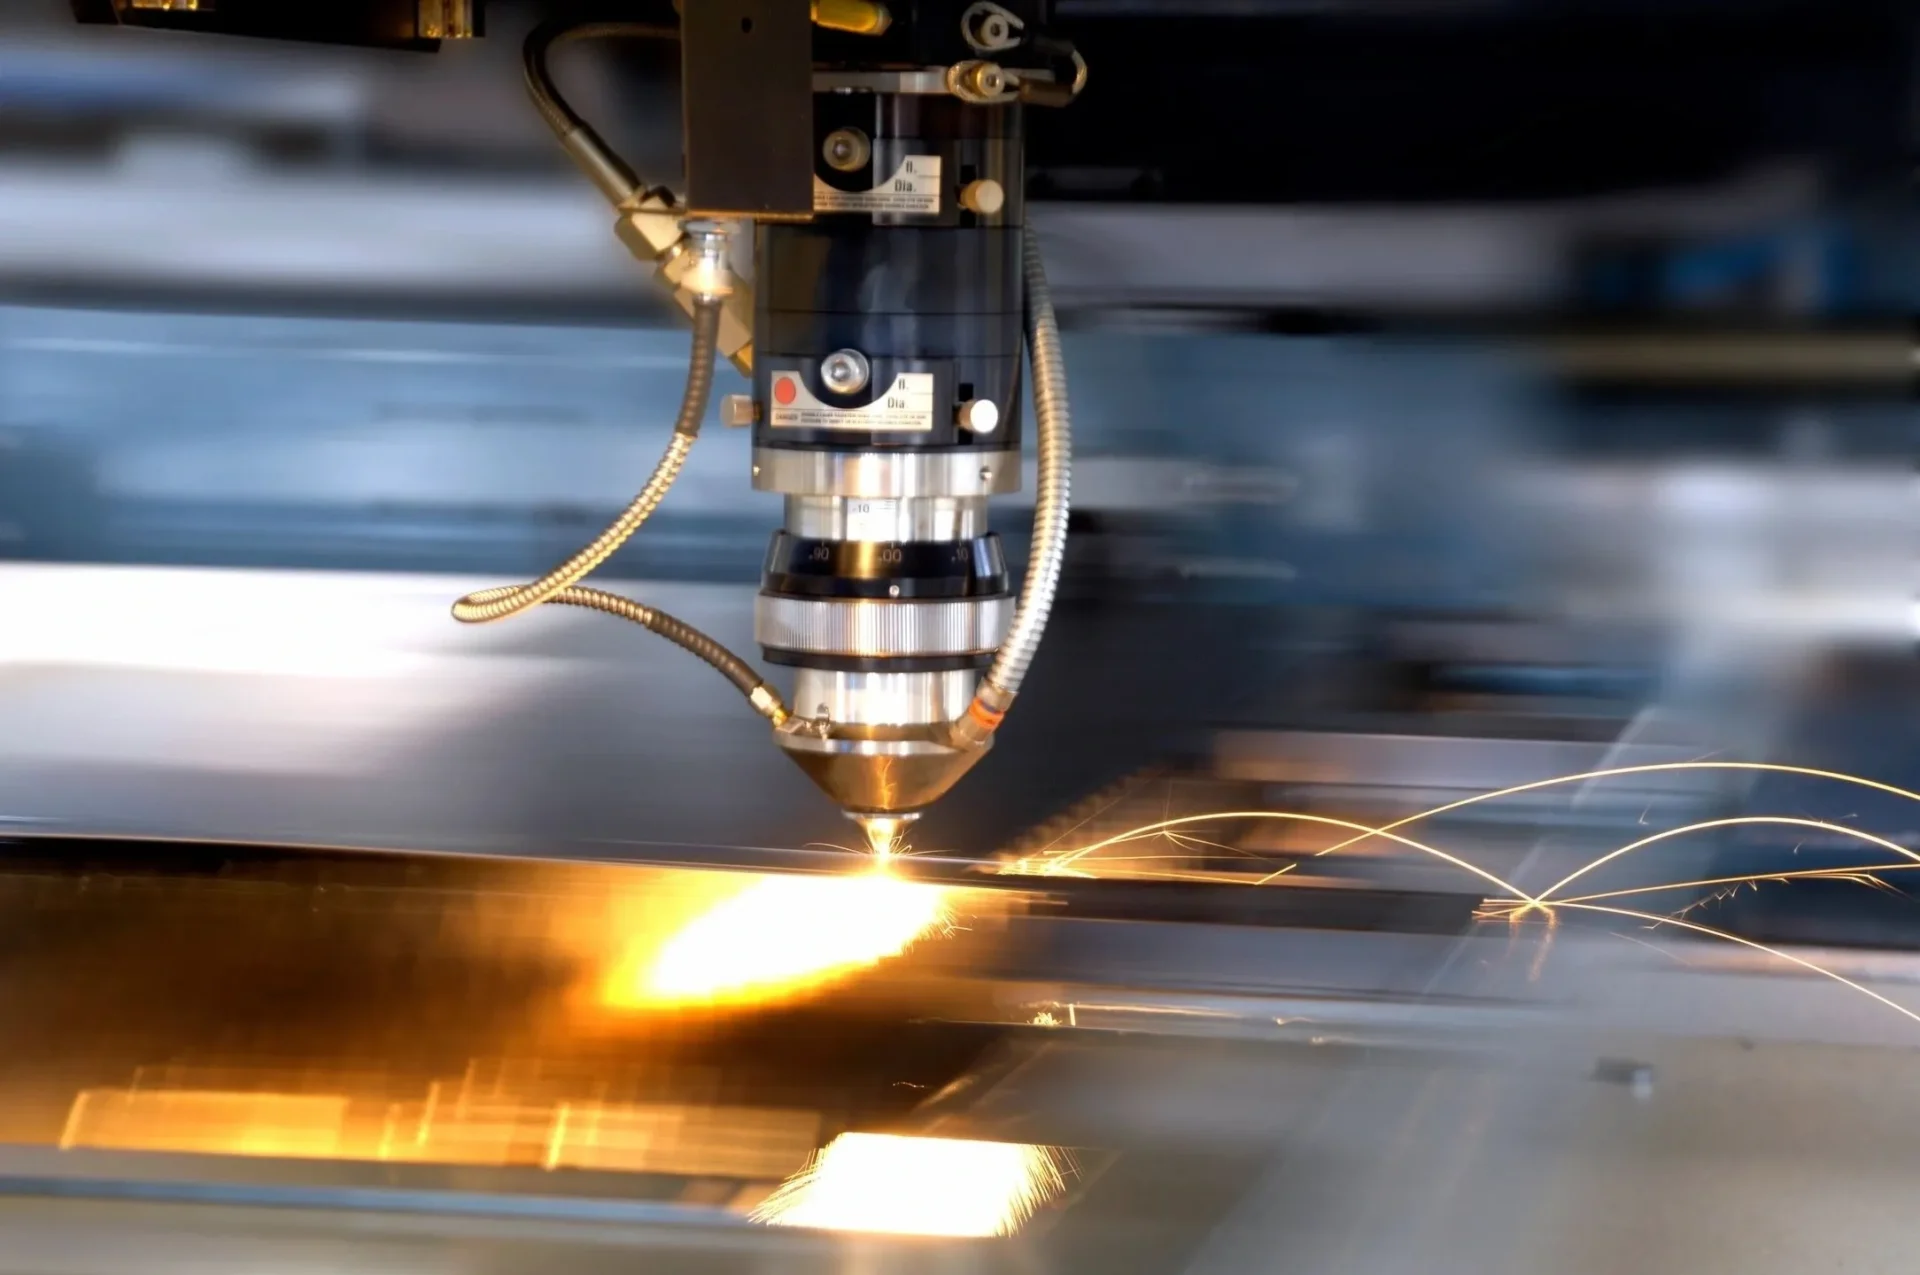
[846,149]
[845,371]
[976,81]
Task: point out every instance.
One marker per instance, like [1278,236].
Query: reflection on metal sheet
[224,1123]
[919,1186]
[447,1125]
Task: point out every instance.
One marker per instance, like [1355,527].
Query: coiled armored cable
[560,586]
[683,635]
[497,604]
[1052,498]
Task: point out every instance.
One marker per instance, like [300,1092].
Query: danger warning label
[914,187]
[907,405]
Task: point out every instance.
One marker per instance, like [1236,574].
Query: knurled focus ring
[869,629]
[918,570]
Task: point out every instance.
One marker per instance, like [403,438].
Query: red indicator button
[784,390]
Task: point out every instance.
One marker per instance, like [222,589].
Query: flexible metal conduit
[498,604]
[1051,500]
[683,635]
[560,585]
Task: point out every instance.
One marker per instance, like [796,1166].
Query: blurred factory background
[1604,413]
[1540,399]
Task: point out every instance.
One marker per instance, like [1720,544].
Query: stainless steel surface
[844,746]
[872,627]
[882,698]
[909,519]
[134,1237]
[885,475]
[737,411]
[926,80]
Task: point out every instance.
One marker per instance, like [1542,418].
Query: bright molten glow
[917,1186]
[782,934]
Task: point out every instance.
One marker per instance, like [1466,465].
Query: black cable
[575,133]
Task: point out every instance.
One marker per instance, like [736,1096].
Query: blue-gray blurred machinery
[1465,395]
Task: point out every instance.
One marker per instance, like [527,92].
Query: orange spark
[1710,932]
[1062,863]
[1860,875]
[1708,824]
[1616,771]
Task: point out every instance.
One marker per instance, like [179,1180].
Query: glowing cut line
[781,935]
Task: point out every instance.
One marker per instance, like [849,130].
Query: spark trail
[1614,772]
[1866,874]
[1811,966]
[1735,821]
[1060,866]
[1517,903]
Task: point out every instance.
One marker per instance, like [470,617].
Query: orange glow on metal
[899,1185]
[776,936]
[283,1125]
[761,1144]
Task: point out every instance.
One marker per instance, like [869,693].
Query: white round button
[985,197]
[979,416]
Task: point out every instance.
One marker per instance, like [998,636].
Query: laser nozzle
[884,832]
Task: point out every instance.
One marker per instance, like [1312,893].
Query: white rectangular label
[914,187]
[907,405]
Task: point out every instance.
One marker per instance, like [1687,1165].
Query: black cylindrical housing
[923,287]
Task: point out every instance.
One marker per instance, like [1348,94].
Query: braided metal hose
[1050,506]
[497,604]
[560,586]
[763,697]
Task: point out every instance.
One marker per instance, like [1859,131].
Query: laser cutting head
[887,412]
[878,151]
